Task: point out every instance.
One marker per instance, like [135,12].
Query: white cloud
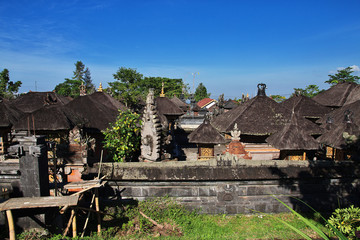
[355,68]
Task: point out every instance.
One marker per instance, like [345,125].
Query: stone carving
[235,133]
[261,89]
[150,131]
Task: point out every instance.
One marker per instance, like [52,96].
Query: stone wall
[239,187]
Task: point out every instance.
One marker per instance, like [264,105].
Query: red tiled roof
[206,101]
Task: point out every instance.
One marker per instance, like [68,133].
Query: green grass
[182,224]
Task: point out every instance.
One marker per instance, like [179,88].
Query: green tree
[122,138]
[343,75]
[171,86]
[8,88]
[201,92]
[277,98]
[127,86]
[71,87]
[309,91]
[130,86]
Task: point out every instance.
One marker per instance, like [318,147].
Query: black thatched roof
[98,115]
[293,137]
[165,107]
[50,118]
[337,95]
[107,100]
[230,104]
[259,116]
[183,106]
[337,116]
[33,101]
[305,106]
[9,115]
[336,135]
[354,95]
[206,134]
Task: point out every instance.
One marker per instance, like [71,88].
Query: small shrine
[206,136]
[235,147]
[150,131]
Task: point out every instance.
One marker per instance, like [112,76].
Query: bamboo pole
[304,156]
[11,224]
[97,207]
[74,224]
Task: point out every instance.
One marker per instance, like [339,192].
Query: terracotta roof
[338,95]
[204,102]
[33,101]
[305,106]
[206,134]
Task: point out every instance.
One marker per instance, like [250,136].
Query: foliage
[343,75]
[201,92]
[71,87]
[127,86]
[277,98]
[7,87]
[130,86]
[347,220]
[122,138]
[309,91]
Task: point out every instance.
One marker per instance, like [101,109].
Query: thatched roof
[259,116]
[33,101]
[337,116]
[165,107]
[336,136]
[50,118]
[230,104]
[293,137]
[354,95]
[9,115]
[206,134]
[183,106]
[337,95]
[305,106]
[98,115]
[107,100]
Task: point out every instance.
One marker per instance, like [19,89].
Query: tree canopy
[309,91]
[8,88]
[343,75]
[71,87]
[201,92]
[131,86]
[277,98]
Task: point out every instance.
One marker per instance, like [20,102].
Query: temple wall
[231,187]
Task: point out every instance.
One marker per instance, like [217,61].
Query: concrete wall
[239,187]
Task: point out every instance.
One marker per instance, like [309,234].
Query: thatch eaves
[354,95]
[206,134]
[336,96]
[305,106]
[259,116]
[9,115]
[33,101]
[337,116]
[338,136]
[50,118]
[230,104]
[293,137]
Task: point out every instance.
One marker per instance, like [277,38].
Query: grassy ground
[164,219]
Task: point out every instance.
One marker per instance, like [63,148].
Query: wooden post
[74,223]
[304,156]
[97,206]
[11,224]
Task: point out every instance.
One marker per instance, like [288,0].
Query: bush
[346,220]
[122,138]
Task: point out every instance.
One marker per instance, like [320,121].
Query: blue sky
[233,45]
